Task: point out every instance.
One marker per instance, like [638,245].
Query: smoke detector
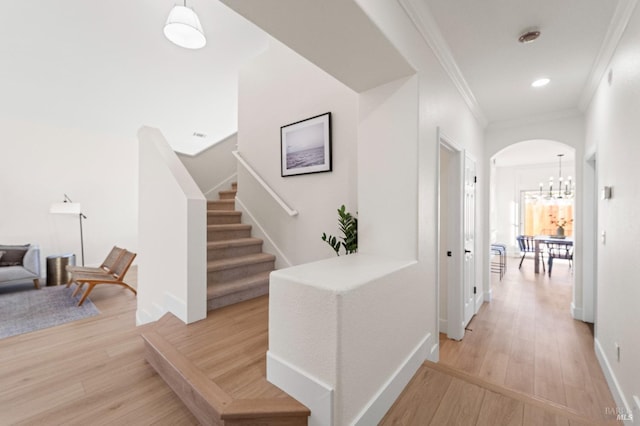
[529,36]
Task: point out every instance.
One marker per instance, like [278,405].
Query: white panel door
[469,234]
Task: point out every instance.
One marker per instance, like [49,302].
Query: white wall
[613,130]
[40,162]
[278,88]
[172,272]
[213,169]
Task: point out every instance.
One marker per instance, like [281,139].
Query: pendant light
[183,28]
[561,192]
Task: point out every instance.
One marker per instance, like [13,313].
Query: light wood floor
[89,372]
[93,372]
[526,341]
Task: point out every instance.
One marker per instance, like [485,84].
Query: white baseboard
[479,302]
[315,395]
[576,312]
[387,395]
[269,245]
[176,306]
[614,386]
[143,317]
[434,354]
[487,295]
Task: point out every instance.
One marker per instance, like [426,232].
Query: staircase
[237,269]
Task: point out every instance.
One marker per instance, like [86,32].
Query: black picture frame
[305,146]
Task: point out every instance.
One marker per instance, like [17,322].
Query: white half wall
[172,273]
[333,321]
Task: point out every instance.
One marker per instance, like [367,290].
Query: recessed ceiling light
[540,82]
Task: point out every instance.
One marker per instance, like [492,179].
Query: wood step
[228,293]
[234,186]
[229,194]
[209,402]
[219,271]
[226,249]
[223,217]
[231,231]
[221,205]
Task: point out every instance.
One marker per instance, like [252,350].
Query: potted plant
[348,225]
[560,223]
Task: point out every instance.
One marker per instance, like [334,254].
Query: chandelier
[565,188]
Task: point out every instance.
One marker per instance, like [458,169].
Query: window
[543,216]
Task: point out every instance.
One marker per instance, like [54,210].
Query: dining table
[546,239]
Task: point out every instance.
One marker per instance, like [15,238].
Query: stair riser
[227,195]
[225,205]
[223,220]
[241,271]
[238,297]
[229,252]
[228,234]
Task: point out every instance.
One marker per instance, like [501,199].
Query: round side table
[56,264]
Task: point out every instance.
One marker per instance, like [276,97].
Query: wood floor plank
[419,401]
[500,410]
[536,416]
[460,404]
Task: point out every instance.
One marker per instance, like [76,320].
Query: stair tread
[224,213]
[238,285]
[228,226]
[233,262]
[237,242]
[220,201]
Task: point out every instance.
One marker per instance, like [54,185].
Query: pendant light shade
[183,28]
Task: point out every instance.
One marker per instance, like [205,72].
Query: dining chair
[559,250]
[528,245]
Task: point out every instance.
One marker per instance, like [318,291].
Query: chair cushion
[13,255]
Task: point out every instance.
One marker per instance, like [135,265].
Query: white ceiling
[482,38]
[107,67]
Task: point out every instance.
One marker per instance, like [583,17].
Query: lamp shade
[183,28]
[65,208]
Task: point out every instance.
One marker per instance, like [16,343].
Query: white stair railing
[256,176]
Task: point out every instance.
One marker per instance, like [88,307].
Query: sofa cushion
[13,255]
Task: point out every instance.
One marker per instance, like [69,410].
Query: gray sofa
[20,263]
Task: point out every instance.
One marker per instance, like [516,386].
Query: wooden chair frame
[107,265]
[91,279]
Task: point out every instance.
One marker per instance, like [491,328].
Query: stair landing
[217,366]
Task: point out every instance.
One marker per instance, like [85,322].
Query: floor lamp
[69,207]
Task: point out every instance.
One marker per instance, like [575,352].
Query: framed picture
[305,146]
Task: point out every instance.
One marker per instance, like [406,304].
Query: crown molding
[528,120]
[618,24]
[426,25]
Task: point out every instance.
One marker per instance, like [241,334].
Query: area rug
[31,310]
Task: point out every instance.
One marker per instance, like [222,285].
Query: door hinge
[474,289]
[475,179]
